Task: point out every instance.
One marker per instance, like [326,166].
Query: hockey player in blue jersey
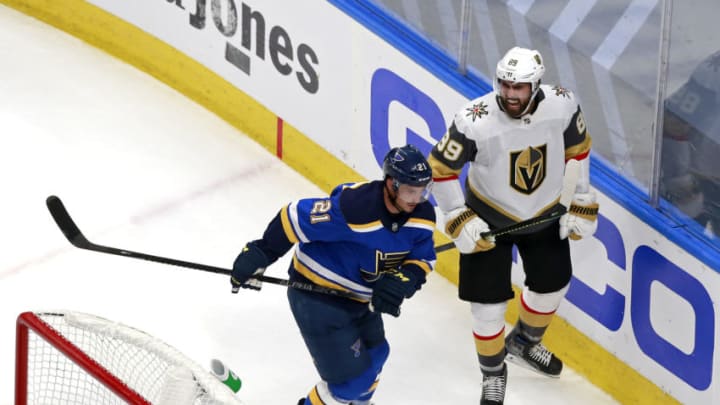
[373,239]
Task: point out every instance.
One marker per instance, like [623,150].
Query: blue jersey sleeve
[274,242]
[314,219]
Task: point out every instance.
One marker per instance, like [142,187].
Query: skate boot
[533,356]
[493,388]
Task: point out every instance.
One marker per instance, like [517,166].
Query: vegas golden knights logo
[527,168]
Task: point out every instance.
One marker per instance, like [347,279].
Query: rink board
[330,99]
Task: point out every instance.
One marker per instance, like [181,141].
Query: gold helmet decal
[528,168]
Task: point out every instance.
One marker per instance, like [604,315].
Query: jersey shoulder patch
[559,91]
[475,112]
[558,103]
[561,98]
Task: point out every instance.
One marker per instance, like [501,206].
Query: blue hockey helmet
[407,165]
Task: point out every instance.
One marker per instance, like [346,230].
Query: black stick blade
[65,222]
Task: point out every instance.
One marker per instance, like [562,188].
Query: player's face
[405,197]
[413,195]
[514,97]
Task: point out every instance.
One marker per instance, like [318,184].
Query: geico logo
[662,297]
[657,286]
[253,26]
[416,118]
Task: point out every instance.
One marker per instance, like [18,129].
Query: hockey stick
[570,179]
[73,234]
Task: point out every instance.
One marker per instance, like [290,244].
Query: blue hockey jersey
[345,241]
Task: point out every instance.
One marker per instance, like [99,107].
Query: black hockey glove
[393,287]
[251,261]
[417,278]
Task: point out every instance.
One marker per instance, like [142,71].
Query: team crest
[528,168]
[561,91]
[477,110]
[398,157]
[384,262]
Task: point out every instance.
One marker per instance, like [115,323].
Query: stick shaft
[518,226]
[75,236]
[570,179]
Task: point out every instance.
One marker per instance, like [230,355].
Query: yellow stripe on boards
[314,162]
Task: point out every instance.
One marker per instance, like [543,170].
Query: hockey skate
[493,388]
[533,356]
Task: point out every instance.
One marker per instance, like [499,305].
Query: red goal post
[76,358]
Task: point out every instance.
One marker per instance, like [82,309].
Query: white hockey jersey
[516,164]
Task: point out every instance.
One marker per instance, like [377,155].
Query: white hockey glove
[581,218]
[466,229]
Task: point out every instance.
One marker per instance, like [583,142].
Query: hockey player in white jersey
[516,141]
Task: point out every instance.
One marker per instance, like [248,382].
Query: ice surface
[142,168]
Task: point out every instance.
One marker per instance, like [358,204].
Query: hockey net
[77,358]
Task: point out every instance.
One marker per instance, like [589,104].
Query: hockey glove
[391,289]
[581,218]
[415,276]
[250,262]
[466,229]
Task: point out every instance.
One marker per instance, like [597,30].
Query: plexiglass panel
[437,20]
[608,53]
[690,177]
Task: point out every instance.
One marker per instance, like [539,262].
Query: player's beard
[515,110]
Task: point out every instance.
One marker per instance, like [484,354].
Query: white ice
[141,167]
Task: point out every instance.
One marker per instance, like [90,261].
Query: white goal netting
[77,358]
